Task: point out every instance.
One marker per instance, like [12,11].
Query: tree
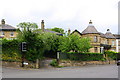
[52,42]
[59,30]
[35,44]
[75,43]
[25,26]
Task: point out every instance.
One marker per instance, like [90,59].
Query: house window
[119,43]
[105,41]
[2,33]
[95,38]
[12,34]
[113,42]
[96,49]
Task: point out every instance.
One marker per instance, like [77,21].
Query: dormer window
[95,39]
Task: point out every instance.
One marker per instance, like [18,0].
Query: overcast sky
[73,14]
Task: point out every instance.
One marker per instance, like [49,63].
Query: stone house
[117,42]
[7,31]
[98,39]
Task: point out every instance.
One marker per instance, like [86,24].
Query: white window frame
[95,39]
[113,43]
[2,33]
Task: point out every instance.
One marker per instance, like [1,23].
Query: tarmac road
[96,71]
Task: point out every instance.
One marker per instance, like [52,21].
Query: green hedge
[82,56]
[10,50]
[111,54]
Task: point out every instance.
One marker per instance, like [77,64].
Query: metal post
[58,55]
[22,59]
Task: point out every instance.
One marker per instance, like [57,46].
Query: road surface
[96,71]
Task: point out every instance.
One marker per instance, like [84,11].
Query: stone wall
[65,63]
[17,64]
[68,63]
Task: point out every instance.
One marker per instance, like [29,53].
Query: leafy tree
[75,43]
[35,44]
[25,26]
[52,42]
[59,30]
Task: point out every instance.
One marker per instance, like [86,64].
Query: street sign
[24,46]
[58,55]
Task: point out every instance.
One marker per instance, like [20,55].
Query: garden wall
[68,63]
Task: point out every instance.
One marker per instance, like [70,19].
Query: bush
[11,58]
[54,63]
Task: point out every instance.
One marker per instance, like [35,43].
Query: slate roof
[90,29]
[77,32]
[109,34]
[117,36]
[102,35]
[6,27]
[47,30]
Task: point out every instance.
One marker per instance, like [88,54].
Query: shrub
[11,58]
[54,63]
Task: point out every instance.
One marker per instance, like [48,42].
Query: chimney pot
[3,21]
[90,22]
[108,29]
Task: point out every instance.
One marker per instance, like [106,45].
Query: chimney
[3,21]
[69,31]
[90,22]
[108,29]
[42,25]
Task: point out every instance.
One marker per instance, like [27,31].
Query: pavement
[92,71]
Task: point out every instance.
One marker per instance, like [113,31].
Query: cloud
[73,14]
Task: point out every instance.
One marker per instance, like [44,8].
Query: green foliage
[10,50]
[111,54]
[59,30]
[52,42]
[35,43]
[27,25]
[74,43]
[54,63]
[11,58]
[82,56]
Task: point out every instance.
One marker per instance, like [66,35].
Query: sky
[66,14]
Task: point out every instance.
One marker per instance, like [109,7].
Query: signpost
[58,56]
[23,48]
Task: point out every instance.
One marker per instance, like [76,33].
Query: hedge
[10,50]
[82,56]
[111,54]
